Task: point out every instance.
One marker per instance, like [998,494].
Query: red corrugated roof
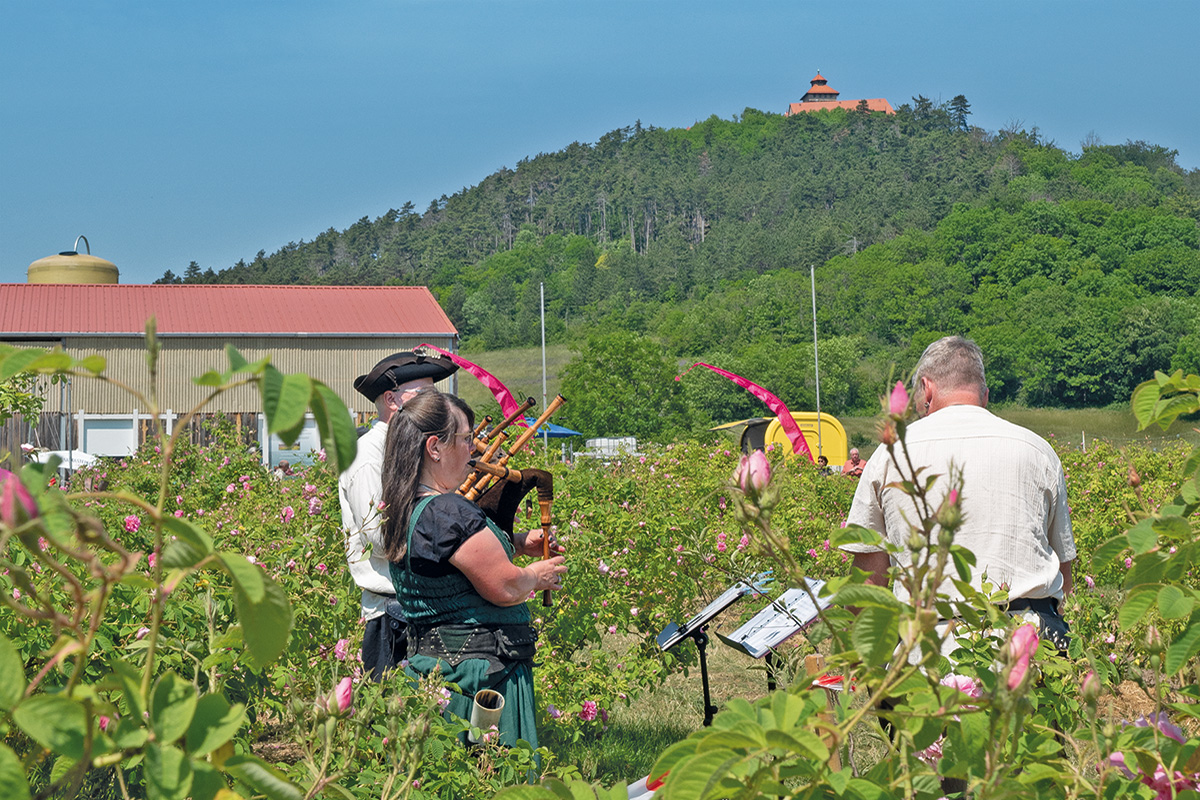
[874,104]
[113,309]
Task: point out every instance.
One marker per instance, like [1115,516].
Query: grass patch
[521,371]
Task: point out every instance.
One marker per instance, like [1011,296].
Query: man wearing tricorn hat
[388,385]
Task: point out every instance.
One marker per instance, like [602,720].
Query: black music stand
[786,616]
[693,629]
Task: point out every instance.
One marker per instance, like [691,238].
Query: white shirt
[1014,499]
[359,491]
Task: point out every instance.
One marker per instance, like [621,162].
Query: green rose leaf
[12,674]
[339,437]
[214,724]
[210,378]
[699,774]
[54,721]
[168,773]
[13,785]
[172,706]
[1137,604]
[263,778]
[285,400]
[875,633]
[1183,648]
[246,577]
[18,361]
[267,621]
[866,595]
[131,684]
[190,546]
[206,781]
[1173,603]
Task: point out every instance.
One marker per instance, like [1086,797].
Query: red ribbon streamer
[777,406]
[508,403]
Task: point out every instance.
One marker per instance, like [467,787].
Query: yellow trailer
[830,441]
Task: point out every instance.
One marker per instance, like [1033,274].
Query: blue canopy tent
[552,431]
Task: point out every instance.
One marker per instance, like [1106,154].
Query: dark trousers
[385,645]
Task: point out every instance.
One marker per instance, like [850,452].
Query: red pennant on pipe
[508,403]
[777,406]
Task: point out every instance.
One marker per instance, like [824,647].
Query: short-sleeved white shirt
[1014,499]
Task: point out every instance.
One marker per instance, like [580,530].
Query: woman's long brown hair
[430,413]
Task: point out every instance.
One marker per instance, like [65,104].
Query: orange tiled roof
[819,77]
[48,309]
[823,90]
[873,104]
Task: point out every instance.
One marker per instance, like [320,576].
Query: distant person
[389,385]
[823,466]
[282,470]
[854,466]
[1014,495]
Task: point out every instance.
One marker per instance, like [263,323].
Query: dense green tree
[622,384]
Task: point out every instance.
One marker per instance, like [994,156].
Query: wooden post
[814,666]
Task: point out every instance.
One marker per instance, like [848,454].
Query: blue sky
[171,132]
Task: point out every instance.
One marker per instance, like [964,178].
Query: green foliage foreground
[185,627]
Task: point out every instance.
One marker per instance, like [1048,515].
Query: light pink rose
[759,471]
[1022,646]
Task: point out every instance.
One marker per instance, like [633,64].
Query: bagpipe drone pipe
[498,489]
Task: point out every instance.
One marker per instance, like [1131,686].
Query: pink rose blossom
[1022,646]
[322,568]
[314,506]
[343,694]
[132,523]
[1091,583]
[339,649]
[588,710]
[963,684]
[898,401]
[286,514]
[179,512]
[141,632]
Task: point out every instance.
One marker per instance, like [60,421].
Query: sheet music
[789,613]
[674,634]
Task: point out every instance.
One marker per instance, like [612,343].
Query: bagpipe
[497,488]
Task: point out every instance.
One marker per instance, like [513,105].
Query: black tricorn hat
[401,368]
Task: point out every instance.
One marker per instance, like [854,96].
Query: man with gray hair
[1014,496]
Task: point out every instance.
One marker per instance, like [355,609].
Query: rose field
[179,623]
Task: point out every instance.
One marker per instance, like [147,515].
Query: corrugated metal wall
[334,361]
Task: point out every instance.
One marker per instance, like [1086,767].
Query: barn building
[332,333]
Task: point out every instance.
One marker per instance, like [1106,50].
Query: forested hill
[1077,272]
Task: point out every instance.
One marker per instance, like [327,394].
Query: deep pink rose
[898,401]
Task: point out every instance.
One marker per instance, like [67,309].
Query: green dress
[452,599]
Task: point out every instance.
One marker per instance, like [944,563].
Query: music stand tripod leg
[701,639]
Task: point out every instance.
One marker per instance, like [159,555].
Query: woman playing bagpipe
[453,567]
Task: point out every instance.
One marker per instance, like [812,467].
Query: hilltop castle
[821,97]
